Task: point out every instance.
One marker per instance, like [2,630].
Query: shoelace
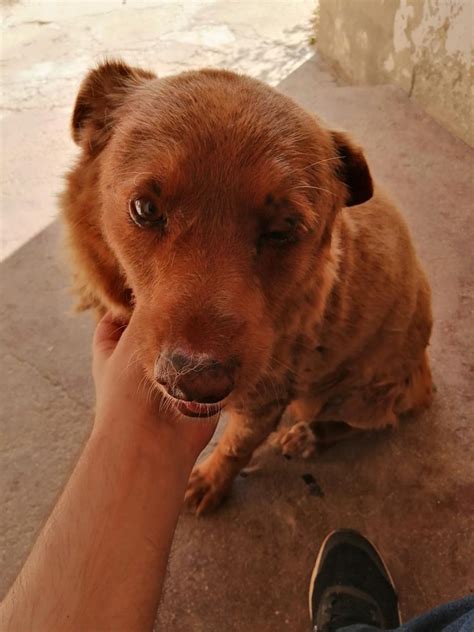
[344,609]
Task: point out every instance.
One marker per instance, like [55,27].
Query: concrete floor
[247,566]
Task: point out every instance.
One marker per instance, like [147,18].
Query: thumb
[108,332]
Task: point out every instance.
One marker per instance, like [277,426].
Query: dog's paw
[298,441]
[207,487]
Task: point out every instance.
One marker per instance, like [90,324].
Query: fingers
[107,334]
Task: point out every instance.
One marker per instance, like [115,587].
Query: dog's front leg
[211,481]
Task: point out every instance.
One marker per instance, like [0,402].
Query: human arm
[100,560]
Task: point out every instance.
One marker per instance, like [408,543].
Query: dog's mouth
[192,408]
[195,409]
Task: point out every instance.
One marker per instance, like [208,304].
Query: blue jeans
[455,616]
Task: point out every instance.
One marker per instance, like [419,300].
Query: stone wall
[424,46]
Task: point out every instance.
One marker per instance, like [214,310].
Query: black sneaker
[350,584]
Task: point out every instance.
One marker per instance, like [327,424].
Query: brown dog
[263,270]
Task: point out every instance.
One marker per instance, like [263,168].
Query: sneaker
[350,584]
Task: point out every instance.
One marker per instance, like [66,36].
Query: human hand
[125,397]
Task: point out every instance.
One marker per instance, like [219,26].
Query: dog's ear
[101,92]
[352,169]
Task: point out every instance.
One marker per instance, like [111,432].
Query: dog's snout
[195,378]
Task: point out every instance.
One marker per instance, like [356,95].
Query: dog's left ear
[352,170]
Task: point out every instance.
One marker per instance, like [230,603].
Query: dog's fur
[334,323]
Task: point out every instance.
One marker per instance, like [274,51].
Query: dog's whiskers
[318,162]
[309,186]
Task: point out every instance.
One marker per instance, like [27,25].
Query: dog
[265,269]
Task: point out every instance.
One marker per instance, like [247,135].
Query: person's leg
[351,591]
[351,586]
[455,616]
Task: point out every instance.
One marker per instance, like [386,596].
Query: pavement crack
[55,384]
[37,22]
[412,83]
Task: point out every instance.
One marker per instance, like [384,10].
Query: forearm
[101,558]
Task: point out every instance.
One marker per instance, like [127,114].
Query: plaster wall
[424,46]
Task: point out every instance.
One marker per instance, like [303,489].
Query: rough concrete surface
[247,566]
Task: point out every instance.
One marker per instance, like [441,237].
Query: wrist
[160,441]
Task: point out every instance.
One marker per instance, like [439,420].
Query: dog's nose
[192,378]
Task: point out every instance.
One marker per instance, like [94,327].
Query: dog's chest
[301,358]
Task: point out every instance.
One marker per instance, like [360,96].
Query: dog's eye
[145,213]
[276,236]
[280,233]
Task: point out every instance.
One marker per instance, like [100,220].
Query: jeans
[455,616]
